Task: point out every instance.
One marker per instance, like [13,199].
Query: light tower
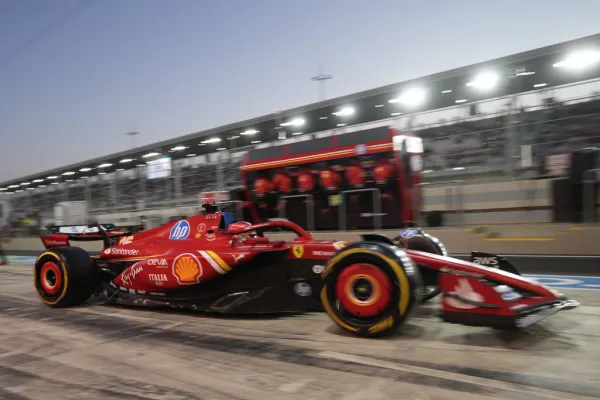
[321,79]
[132,135]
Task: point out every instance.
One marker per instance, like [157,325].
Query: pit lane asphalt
[100,352]
[527,264]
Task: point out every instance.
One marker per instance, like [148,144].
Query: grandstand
[500,118]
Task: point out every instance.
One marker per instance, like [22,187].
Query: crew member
[383,172]
[355,175]
[306,181]
[330,180]
[282,182]
[262,186]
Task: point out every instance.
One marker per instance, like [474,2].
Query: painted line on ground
[568,282]
[562,256]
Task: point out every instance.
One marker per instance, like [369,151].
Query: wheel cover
[50,278]
[363,290]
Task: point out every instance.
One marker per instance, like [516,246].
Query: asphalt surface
[100,352]
[526,264]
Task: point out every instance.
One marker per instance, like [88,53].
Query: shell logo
[340,245]
[187,269]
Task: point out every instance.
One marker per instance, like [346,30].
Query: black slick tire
[64,277]
[392,263]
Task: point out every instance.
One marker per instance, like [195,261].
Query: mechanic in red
[306,181]
[383,172]
[355,174]
[330,180]
[262,186]
[282,182]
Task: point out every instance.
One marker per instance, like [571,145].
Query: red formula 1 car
[368,287]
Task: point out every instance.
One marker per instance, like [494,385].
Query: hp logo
[180,230]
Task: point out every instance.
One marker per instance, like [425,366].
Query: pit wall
[527,201]
[548,239]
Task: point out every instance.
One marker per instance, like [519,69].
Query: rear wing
[61,235]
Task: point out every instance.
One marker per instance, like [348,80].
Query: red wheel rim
[50,278]
[363,290]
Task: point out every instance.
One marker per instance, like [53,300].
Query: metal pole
[377,208]
[589,195]
[321,78]
[132,135]
[511,138]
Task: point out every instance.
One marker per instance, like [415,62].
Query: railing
[590,196]
[310,208]
[376,214]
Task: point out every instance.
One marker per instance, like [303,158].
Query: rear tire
[64,276]
[370,289]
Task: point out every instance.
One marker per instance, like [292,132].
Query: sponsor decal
[452,271]
[408,233]
[117,251]
[465,291]
[158,279]
[129,275]
[181,230]
[361,149]
[511,296]
[298,251]
[56,242]
[131,291]
[123,289]
[157,262]
[340,245]
[210,237]
[302,289]
[157,294]
[487,261]
[211,216]
[141,292]
[198,235]
[507,293]
[318,269]
[238,257]
[113,285]
[82,229]
[323,253]
[125,240]
[187,269]
[202,227]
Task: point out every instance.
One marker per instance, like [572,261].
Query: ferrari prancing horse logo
[298,251]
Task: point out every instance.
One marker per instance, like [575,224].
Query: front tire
[64,277]
[427,244]
[370,289]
